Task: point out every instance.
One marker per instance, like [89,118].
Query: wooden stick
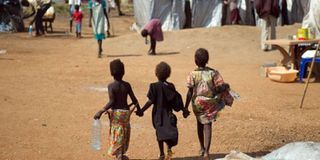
[309,74]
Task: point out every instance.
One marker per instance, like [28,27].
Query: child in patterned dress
[209,94]
[118,91]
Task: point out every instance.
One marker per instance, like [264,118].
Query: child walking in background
[119,91]
[77,17]
[165,99]
[209,94]
[98,10]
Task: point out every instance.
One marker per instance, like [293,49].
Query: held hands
[185,113]
[139,112]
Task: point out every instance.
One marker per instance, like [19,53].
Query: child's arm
[146,106]
[188,99]
[107,106]
[133,97]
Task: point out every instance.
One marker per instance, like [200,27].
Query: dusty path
[47,101]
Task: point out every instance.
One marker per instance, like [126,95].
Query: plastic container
[281,74]
[30,30]
[302,34]
[96,135]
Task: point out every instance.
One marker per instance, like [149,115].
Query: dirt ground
[50,88]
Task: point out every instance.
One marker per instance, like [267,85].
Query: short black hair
[201,57]
[76,7]
[144,33]
[163,71]
[117,68]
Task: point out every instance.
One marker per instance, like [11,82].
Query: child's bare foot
[161,157]
[169,154]
[206,156]
[150,52]
[201,152]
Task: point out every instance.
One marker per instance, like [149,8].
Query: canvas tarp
[312,19]
[170,12]
[206,13]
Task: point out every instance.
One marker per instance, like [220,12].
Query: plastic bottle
[30,30]
[234,94]
[96,135]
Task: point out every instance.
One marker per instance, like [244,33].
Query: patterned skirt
[206,109]
[119,132]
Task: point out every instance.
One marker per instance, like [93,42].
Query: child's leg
[160,143]
[200,137]
[152,50]
[207,138]
[169,152]
[70,24]
[100,48]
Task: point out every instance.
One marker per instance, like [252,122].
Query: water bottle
[30,30]
[234,94]
[96,135]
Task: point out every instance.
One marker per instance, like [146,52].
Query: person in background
[72,4]
[118,3]
[77,17]
[209,95]
[41,7]
[234,11]
[153,29]
[268,11]
[97,21]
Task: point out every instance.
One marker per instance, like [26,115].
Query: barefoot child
[209,94]
[165,99]
[77,17]
[120,125]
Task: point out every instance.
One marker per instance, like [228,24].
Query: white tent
[170,12]
[312,19]
[206,13]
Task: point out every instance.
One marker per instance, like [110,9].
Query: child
[77,17]
[209,94]
[97,10]
[153,29]
[165,98]
[120,125]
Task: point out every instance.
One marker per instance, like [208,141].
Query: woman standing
[96,21]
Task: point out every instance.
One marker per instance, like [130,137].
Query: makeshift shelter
[206,13]
[312,19]
[210,13]
[297,9]
[170,12]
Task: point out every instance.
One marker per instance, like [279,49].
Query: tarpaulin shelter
[209,13]
[312,19]
[170,12]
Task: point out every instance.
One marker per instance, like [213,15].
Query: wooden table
[292,55]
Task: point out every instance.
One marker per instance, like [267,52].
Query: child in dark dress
[120,115]
[165,99]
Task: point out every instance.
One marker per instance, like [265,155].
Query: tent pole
[309,74]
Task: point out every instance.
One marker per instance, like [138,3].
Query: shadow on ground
[166,53]
[218,155]
[123,55]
